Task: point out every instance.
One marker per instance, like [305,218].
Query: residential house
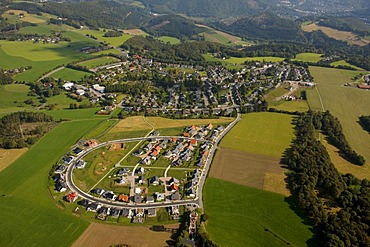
[93,207]
[114,213]
[72,197]
[149,199]
[154,180]
[81,164]
[151,212]
[123,198]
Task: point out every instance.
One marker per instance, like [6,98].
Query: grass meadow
[345,103]
[29,216]
[70,74]
[263,133]
[168,39]
[345,63]
[93,63]
[240,60]
[12,98]
[113,41]
[308,57]
[242,216]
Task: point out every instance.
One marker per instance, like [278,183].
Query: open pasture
[12,98]
[99,35]
[263,218]
[308,57]
[93,63]
[345,103]
[70,74]
[262,133]
[29,214]
[168,39]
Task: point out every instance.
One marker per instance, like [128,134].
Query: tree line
[365,123]
[338,205]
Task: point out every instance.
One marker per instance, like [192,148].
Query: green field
[168,39]
[29,216]
[113,41]
[100,129]
[93,63]
[68,74]
[76,114]
[239,216]
[308,57]
[261,133]
[42,57]
[12,97]
[346,103]
[344,63]
[283,105]
[241,60]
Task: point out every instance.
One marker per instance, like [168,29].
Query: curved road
[198,201]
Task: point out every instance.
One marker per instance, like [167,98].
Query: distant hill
[262,26]
[174,26]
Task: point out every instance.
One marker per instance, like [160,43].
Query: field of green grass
[346,103]
[241,60]
[42,57]
[29,216]
[93,63]
[344,63]
[70,74]
[244,216]
[113,41]
[100,129]
[296,105]
[12,98]
[261,133]
[308,57]
[168,39]
[76,114]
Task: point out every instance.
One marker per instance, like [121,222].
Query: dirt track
[102,235]
[258,171]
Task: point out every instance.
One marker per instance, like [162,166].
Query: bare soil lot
[8,156]
[102,235]
[253,170]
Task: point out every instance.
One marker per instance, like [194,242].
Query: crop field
[308,57]
[97,235]
[113,41]
[12,97]
[216,36]
[168,39]
[29,214]
[345,103]
[70,74]
[263,218]
[93,63]
[262,133]
[253,170]
[8,156]
[344,63]
[348,37]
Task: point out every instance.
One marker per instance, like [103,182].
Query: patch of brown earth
[254,170]
[108,235]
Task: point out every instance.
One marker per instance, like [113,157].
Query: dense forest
[262,26]
[175,26]
[365,123]
[95,14]
[338,205]
[188,51]
[22,129]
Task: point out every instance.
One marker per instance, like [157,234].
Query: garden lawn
[29,216]
[244,216]
[263,133]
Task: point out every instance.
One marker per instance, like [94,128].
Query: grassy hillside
[29,215]
[244,216]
